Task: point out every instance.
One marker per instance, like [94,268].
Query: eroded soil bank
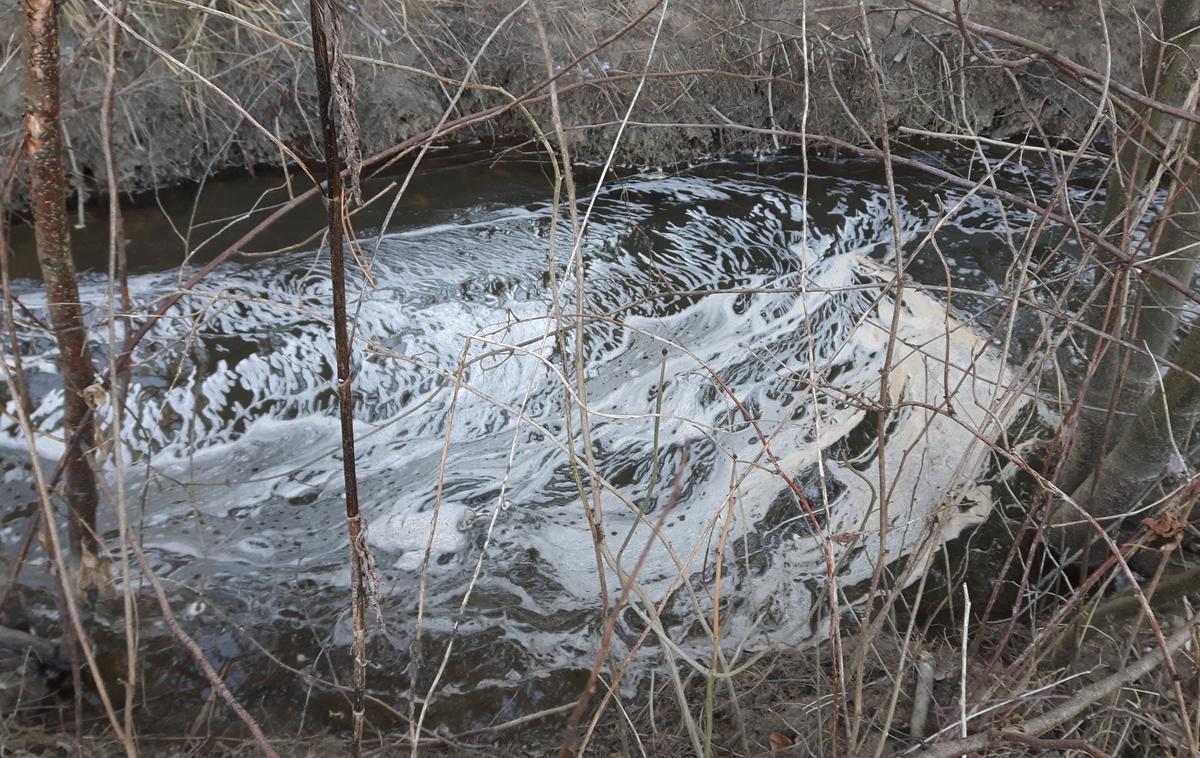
[205,87]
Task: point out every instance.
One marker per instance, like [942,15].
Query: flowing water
[747,313]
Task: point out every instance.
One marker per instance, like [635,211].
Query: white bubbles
[407,534]
[772,332]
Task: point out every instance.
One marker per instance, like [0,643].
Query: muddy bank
[175,118]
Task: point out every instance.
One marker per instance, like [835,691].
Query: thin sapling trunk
[326,58]
[43,147]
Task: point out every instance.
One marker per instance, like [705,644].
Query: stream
[758,321]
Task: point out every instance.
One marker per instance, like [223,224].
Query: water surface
[747,311]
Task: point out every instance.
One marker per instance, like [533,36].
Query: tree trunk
[1125,377]
[43,146]
[1144,450]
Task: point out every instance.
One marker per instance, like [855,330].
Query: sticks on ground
[1084,698]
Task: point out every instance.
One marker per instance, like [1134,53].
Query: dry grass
[1013,650]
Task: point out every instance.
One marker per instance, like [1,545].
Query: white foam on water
[235,409]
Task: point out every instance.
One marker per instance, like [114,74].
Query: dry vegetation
[1063,626]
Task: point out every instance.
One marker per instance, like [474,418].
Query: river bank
[202,89]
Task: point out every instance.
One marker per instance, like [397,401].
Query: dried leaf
[95,396]
[1167,526]
[779,741]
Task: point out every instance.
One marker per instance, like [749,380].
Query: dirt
[177,124]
